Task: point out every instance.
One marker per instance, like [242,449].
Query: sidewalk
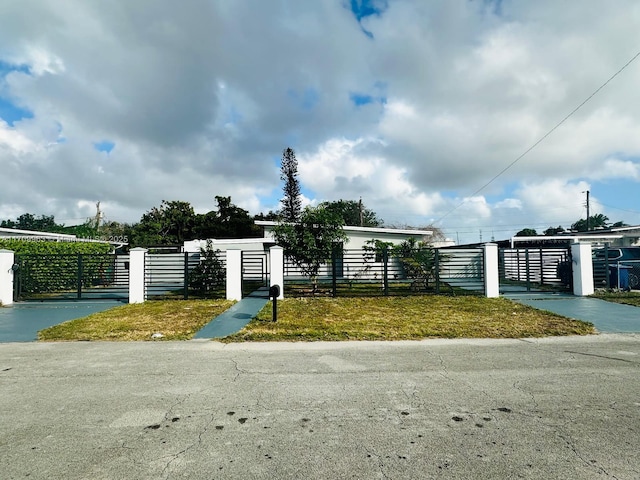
[234,319]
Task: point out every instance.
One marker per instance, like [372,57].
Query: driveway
[608,317]
[22,321]
[552,408]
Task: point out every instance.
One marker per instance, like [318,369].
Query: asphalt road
[455,409]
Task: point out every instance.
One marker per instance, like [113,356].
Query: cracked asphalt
[456,409]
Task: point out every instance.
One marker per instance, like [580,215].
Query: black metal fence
[530,269]
[71,276]
[371,273]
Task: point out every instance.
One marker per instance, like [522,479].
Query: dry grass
[628,298]
[174,319]
[401,318]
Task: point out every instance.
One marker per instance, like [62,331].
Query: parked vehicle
[620,264]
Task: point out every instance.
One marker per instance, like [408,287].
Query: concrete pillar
[7,260]
[234,274]
[137,283]
[491,272]
[276,255]
[582,269]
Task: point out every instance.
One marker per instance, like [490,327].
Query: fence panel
[370,273]
[462,268]
[543,267]
[167,274]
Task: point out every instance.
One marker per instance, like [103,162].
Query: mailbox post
[274,293]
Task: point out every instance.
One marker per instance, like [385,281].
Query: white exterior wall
[6,277]
[491,272]
[582,269]
[137,290]
[234,275]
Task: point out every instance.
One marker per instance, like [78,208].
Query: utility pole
[588,220]
[361,214]
[98,215]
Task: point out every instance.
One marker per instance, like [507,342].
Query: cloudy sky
[415,106]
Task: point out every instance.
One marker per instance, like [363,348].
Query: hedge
[41,247]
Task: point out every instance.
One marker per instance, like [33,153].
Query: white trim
[399,231]
[566,238]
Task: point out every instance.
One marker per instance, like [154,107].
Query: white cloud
[200,100]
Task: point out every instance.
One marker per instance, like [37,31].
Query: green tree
[353,213]
[228,221]
[554,231]
[595,221]
[527,232]
[29,221]
[291,202]
[208,277]
[309,242]
[169,224]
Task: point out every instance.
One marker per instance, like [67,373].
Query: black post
[274,293]
[606,266]
[526,256]
[385,260]
[186,275]
[79,279]
[334,270]
[436,262]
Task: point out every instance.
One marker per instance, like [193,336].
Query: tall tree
[353,213]
[309,241]
[291,202]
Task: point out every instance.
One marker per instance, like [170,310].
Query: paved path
[553,408]
[234,319]
[22,321]
[606,316]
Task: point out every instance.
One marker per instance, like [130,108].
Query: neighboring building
[615,237]
[358,238]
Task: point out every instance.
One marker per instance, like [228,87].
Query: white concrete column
[234,274]
[276,255]
[491,273]
[582,269]
[6,277]
[137,284]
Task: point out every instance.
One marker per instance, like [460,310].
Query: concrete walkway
[234,319]
[608,317]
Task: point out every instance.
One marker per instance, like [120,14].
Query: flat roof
[400,231]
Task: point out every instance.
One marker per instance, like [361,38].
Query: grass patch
[405,318]
[174,319]
[628,298]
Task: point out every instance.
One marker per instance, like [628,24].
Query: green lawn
[402,318]
[335,319]
[174,319]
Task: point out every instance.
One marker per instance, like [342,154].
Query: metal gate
[71,277]
[255,270]
[535,269]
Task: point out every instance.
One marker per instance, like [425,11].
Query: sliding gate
[535,269]
[71,277]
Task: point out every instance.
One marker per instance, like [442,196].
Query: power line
[543,137]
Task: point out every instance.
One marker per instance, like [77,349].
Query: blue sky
[412,106]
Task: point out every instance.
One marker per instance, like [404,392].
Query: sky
[427,110]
